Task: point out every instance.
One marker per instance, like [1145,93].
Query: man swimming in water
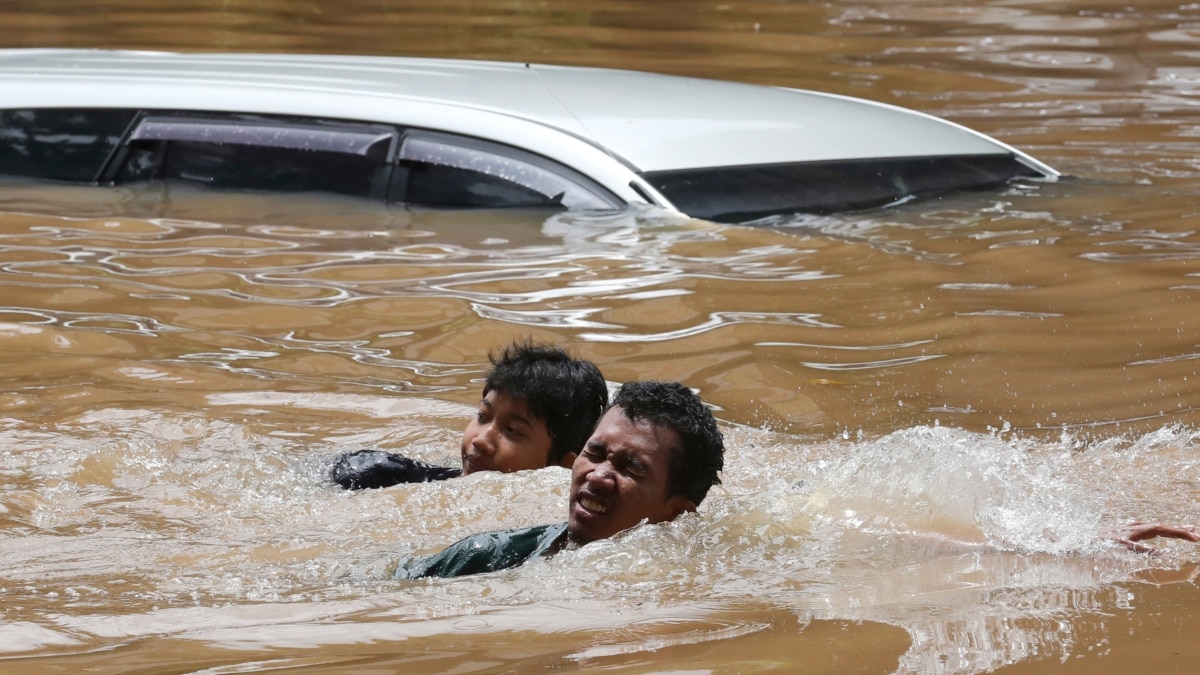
[539,406]
[653,456]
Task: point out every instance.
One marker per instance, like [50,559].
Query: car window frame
[458,145]
[277,131]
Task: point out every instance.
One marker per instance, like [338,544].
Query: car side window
[67,145]
[448,171]
[260,154]
[274,153]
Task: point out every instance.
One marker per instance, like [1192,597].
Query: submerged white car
[473,134]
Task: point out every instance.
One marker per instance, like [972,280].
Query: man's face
[621,478]
[504,436]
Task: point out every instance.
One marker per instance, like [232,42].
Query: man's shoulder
[486,552]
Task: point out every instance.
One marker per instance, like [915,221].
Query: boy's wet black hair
[566,393]
[695,467]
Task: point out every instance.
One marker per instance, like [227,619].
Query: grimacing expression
[504,436]
[621,477]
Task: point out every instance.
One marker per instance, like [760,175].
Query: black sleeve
[366,469]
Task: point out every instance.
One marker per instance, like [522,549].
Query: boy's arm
[366,469]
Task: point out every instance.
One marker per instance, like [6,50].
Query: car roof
[648,122]
[665,122]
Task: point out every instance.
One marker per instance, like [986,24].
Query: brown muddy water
[931,409]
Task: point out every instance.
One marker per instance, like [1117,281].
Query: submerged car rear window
[67,145]
[739,194]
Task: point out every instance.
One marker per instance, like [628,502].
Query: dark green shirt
[486,552]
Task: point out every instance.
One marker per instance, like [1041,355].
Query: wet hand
[1131,534]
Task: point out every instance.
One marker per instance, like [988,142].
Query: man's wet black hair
[566,393]
[695,467]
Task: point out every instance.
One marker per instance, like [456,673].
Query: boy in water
[539,407]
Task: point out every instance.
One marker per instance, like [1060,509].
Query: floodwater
[931,410]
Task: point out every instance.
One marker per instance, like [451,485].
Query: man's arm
[1129,535]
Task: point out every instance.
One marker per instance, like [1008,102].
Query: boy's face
[621,478]
[504,436]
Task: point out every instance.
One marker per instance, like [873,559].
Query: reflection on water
[931,409]
[981,311]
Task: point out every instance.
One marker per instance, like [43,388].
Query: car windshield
[740,194]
